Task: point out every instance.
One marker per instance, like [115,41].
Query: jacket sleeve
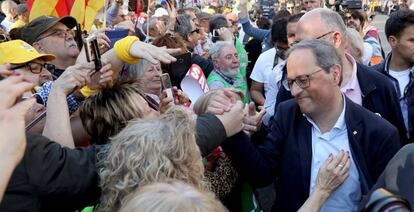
[62,174]
[210,133]
[258,165]
[259,34]
[386,150]
[395,114]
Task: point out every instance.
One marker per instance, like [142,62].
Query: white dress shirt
[348,195]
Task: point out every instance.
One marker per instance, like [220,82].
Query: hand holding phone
[167,85]
[92,52]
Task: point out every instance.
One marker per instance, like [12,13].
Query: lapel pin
[355,132]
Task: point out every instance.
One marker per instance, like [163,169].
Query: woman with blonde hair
[106,113]
[148,151]
[171,196]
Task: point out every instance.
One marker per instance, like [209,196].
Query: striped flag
[84,11]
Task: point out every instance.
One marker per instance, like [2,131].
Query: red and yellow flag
[84,11]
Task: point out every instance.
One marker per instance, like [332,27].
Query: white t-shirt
[403,78]
[273,85]
[263,68]
[6,23]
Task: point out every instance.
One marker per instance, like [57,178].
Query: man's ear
[338,40]
[393,41]
[38,47]
[216,64]
[336,71]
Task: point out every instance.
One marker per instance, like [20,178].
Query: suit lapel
[355,126]
[305,150]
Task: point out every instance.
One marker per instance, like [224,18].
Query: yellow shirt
[19,23]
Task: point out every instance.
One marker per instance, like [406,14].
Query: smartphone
[166,84]
[92,52]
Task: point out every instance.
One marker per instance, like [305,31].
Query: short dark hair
[295,18]
[279,31]
[217,22]
[263,23]
[283,13]
[398,21]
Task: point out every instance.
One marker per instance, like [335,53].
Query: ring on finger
[341,166]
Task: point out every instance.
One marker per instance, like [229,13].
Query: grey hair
[183,25]
[355,42]
[332,21]
[137,70]
[172,195]
[325,54]
[217,47]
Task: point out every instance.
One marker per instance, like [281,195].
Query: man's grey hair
[325,54]
[333,21]
[183,25]
[217,47]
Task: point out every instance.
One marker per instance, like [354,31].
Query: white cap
[160,12]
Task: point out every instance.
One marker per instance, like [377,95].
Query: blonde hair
[148,151]
[171,196]
[106,113]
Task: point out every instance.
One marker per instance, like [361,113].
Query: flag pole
[104,14]
[149,19]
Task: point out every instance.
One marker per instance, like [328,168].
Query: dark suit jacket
[378,96]
[409,95]
[285,157]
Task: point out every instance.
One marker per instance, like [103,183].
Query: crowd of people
[302,111]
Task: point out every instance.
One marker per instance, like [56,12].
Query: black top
[52,178]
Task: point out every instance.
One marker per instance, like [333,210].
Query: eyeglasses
[34,67]
[196,30]
[317,38]
[58,33]
[303,81]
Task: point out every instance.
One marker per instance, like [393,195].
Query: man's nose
[295,90]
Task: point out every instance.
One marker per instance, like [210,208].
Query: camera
[383,200]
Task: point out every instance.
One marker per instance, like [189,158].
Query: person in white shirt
[9,9]
[262,71]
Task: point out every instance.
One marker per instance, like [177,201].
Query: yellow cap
[19,52]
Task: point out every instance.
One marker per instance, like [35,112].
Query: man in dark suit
[398,66]
[320,122]
[360,83]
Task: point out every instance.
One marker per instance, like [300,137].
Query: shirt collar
[226,78]
[353,82]
[340,122]
[387,62]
